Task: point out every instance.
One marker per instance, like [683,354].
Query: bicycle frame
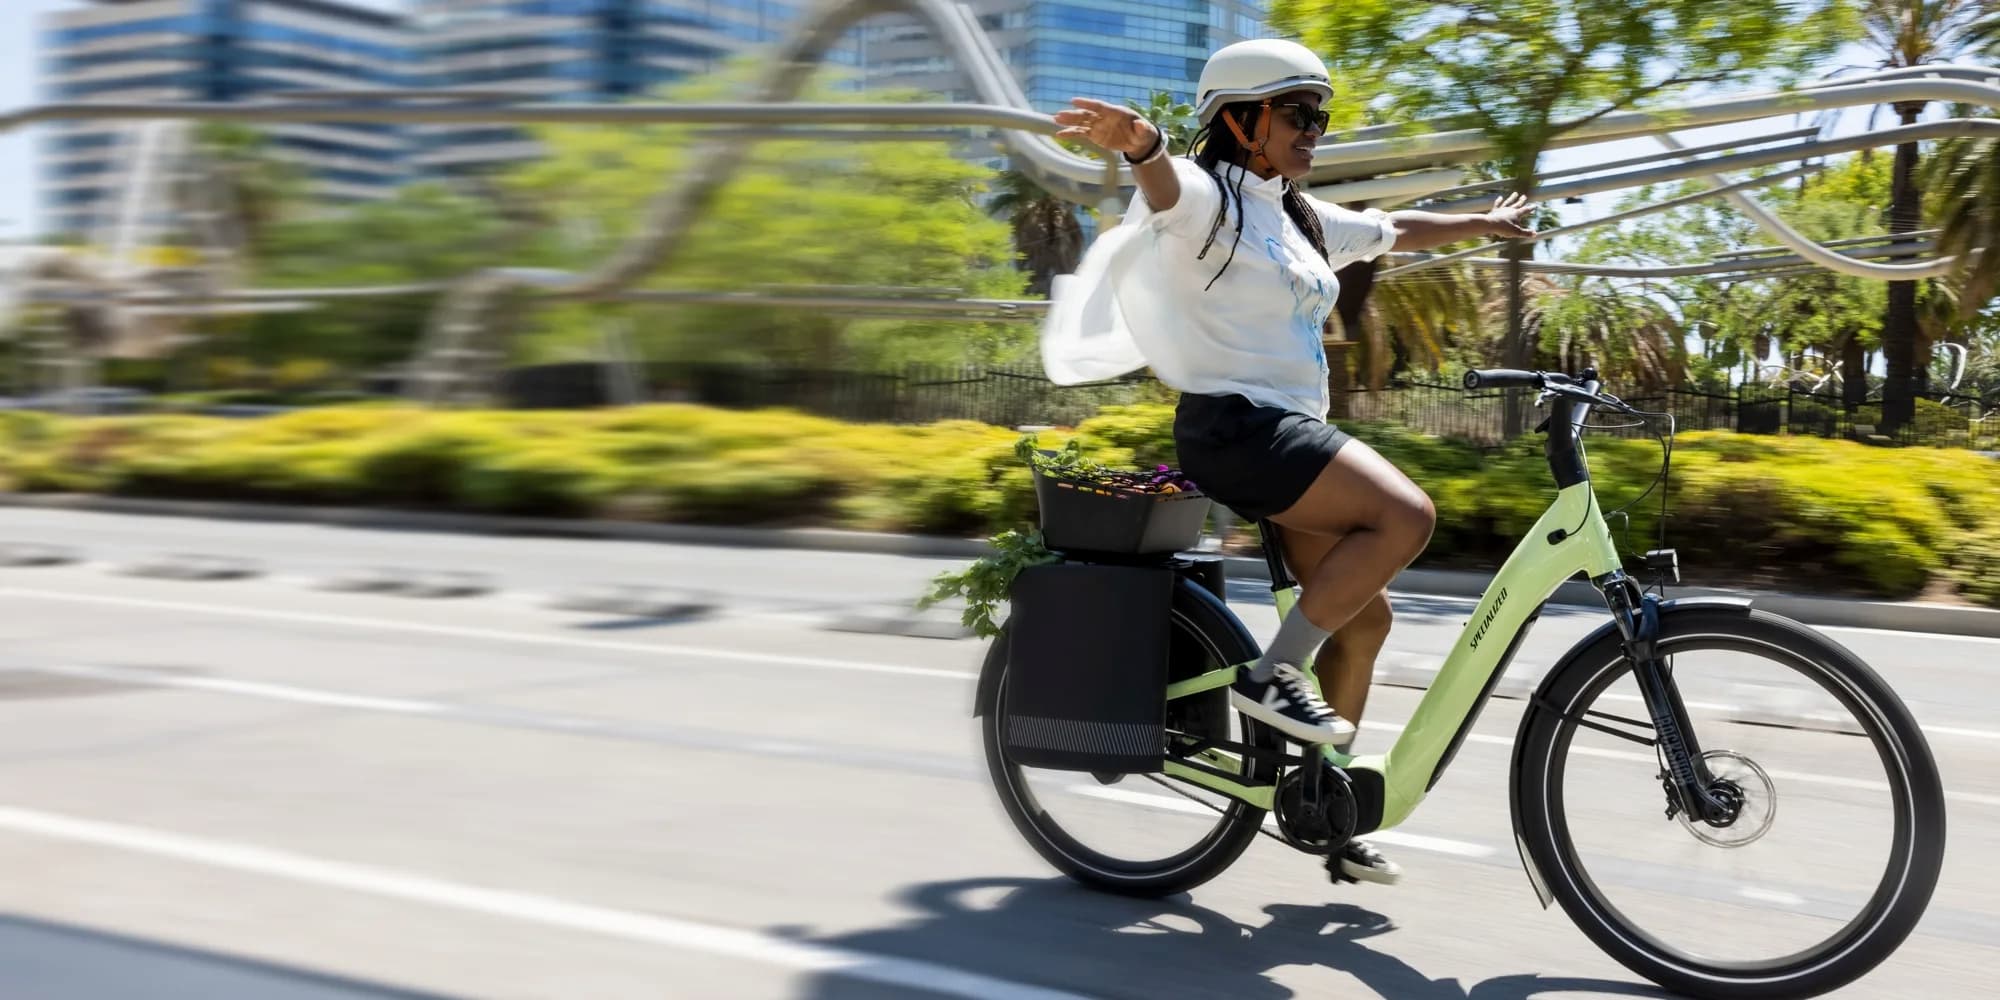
[1570,538]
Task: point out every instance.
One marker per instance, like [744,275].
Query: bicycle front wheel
[1828,864]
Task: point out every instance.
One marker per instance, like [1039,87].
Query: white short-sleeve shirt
[1255,330]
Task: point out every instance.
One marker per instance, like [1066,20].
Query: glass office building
[1114,50]
[217,50]
[576,50]
[557,50]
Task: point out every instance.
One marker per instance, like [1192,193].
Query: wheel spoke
[1828,845]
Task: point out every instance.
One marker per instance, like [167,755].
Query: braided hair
[1217,147]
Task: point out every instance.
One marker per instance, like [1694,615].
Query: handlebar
[1581,390]
[1514,378]
[1502,378]
[1577,395]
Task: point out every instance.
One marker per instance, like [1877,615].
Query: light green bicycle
[1677,725]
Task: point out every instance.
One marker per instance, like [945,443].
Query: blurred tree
[798,213]
[1912,33]
[262,186]
[1633,338]
[1818,323]
[1964,177]
[425,233]
[1412,322]
[1527,73]
[1048,238]
[1175,118]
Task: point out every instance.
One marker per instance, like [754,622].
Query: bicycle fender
[1605,634]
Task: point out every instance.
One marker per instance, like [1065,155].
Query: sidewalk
[1889,615]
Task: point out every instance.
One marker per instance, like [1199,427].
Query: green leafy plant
[1069,461]
[1070,464]
[990,579]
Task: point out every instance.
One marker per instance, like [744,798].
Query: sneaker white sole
[1340,733]
[1362,873]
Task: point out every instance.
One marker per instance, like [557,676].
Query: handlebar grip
[1502,378]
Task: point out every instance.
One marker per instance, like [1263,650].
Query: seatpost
[1274,557]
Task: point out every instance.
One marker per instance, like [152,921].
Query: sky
[18,73]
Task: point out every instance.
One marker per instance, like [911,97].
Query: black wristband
[1159,139]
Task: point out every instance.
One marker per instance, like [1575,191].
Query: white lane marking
[1415,841]
[731,654]
[1436,845]
[527,907]
[1777,896]
[1971,734]
[253,689]
[488,635]
[1706,706]
[1895,634]
[1973,798]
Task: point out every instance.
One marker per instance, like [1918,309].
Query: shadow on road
[1055,934]
[52,961]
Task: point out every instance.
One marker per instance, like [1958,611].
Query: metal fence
[1450,411]
[1006,396]
[1021,395]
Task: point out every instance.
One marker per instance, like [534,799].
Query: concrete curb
[1888,615]
[823,539]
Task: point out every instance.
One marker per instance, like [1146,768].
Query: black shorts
[1254,460]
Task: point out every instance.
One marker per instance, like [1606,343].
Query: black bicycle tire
[1871,937]
[1224,639]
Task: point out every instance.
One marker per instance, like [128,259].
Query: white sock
[1296,642]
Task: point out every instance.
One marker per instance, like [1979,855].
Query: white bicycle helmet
[1258,68]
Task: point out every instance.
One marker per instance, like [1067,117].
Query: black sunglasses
[1305,116]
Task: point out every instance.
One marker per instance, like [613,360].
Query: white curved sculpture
[1384,165]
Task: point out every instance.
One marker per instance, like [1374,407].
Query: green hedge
[1800,512]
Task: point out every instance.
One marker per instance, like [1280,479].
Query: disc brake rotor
[1756,799]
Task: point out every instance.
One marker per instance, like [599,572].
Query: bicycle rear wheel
[1142,835]
[1832,858]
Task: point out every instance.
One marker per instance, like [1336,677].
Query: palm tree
[1175,118]
[1965,177]
[1048,239]
[1908,33]
[261,186]
[1632,338]
[1417,318]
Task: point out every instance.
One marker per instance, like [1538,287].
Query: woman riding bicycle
[1223,281]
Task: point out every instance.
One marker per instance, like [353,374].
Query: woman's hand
[1509,211]
[1107,126]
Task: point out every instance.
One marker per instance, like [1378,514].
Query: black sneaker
[1288,703]
[1359,861]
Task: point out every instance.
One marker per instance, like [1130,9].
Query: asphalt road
[264,788]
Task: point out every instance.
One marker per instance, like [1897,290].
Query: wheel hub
[1749,799]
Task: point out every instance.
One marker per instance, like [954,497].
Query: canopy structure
[1386,166]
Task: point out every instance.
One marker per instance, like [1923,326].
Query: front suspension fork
[1638,617]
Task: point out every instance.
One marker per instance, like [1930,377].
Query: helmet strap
[1263,130]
